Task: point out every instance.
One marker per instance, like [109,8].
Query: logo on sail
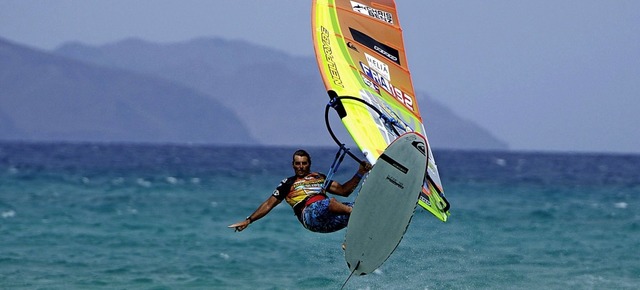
[378,66]
[372,12]
[382,81]
[328,54]
[381,48]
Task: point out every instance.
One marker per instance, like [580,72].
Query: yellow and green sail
[360,53]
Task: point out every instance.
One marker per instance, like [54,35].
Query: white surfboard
[385,204]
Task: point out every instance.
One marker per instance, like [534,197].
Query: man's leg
[318,216]
[337,207]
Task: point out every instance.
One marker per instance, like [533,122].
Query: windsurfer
[304,192]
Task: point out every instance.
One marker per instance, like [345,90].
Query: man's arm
[347,188]
[260,212]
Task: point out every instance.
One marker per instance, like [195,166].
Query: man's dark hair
[303,153]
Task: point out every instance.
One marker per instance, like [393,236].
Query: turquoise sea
[109,216]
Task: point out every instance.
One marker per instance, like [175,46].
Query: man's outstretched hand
[240,226]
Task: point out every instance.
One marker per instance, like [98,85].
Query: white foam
[8,214]
[172,180]
[143,183]
[621,205]
[224,256]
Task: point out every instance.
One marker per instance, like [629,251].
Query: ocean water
[88,216]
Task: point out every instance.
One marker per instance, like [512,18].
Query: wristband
[249,218]
[359,175]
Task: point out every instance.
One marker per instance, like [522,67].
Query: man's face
[301,165]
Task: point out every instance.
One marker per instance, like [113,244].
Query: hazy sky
[542,75]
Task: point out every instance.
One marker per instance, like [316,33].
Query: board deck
[385,204]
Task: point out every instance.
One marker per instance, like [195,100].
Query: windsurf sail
[360,52]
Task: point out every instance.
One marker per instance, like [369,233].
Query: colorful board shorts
[317,218]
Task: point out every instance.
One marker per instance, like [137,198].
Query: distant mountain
[47,97]
[201,91]
[280,97]
[446,130]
